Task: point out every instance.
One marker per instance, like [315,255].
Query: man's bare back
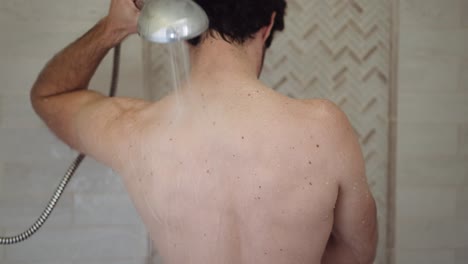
[247,176]
[232,172]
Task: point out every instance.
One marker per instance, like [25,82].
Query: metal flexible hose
[68,175]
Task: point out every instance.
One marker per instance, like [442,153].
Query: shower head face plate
[166,21]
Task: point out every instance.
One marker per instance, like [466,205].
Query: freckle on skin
[242,137]
[310,184]
[318,146]
[310,162]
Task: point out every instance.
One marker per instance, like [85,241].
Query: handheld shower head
[165,21]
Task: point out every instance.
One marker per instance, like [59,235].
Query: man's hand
[123,17]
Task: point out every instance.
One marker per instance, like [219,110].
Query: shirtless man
[236,173]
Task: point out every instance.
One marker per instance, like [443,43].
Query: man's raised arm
[83,118]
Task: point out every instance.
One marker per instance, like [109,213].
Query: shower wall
[334,49]
[432,182]
[95,221]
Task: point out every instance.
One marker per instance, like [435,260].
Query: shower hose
[68,175]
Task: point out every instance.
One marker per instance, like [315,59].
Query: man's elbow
[367,257]
[35,96]
[367,253]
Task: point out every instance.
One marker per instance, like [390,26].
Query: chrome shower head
[165,21]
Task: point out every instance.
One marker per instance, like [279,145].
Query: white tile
[31,28]
[81,245]
[462,234]
[426,218]
[462,218]
[439,171]
[2,175]
[461,256]
[426,140]
[20,212]
[94,209]
[32,178]
[29,145]
[36,262]
[464,9]
[464,75]
[2,248]
[53,11]
[430,13]
[18,73]
[428,256]
[429,234]
[436,108]
[426,73]
[464,139]
[433,42]
[421,206]
[22,39]
[16,112]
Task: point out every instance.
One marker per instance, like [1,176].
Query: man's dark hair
[238,20]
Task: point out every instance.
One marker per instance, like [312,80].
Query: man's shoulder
[331,122]
[326,111]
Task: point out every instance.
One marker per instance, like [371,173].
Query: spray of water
[180,69]
[179,65]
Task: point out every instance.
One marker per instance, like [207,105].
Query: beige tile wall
[94,221]
[432,173]
[2,249]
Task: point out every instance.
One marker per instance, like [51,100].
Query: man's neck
[216,60]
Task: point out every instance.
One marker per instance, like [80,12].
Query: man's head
[237,21]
